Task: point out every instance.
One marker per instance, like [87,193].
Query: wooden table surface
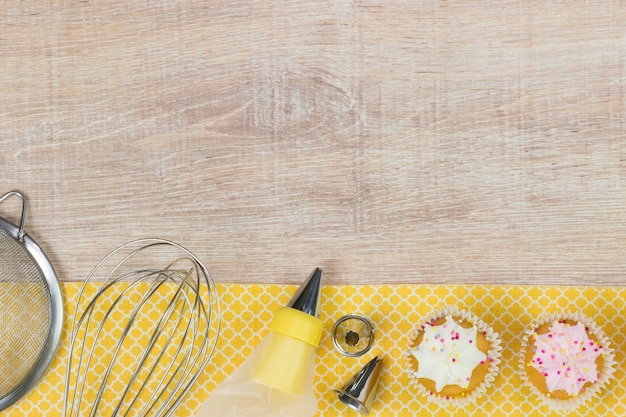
[386,142]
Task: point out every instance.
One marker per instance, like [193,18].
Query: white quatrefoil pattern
[394,310]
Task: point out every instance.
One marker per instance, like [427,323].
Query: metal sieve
[31,310]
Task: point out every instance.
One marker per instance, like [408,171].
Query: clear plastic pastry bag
[242,395]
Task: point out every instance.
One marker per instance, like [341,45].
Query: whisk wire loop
[140,337]
[160,328]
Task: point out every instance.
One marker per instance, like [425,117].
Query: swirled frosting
[448,354]
[566,357]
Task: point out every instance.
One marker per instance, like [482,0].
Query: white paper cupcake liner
[605,373]
[493,357]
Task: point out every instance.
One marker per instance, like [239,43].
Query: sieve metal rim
[56,304]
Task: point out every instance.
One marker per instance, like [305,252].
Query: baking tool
[353,335]
[359,392]
[141,335]
[31,310]
[276,380]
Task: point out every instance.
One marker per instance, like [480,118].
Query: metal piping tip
[307,298]
[360,391]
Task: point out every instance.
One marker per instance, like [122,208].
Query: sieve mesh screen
[25,313]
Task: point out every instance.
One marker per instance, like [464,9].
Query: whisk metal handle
[20,233]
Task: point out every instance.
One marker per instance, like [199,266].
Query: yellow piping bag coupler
[276,380]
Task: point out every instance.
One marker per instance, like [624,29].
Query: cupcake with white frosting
[566,360]
[453,357]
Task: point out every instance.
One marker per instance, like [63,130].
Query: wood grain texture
[402,141]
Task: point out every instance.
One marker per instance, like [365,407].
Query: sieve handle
[20,233]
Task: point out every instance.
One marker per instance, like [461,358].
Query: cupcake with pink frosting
[566,360]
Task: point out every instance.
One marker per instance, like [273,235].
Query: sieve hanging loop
[20,233]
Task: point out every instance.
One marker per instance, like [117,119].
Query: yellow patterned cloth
[394,310]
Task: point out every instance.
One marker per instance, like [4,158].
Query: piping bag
[276,380]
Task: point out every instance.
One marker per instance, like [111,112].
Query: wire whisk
[140,336]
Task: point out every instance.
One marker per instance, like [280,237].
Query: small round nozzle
[307,298]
